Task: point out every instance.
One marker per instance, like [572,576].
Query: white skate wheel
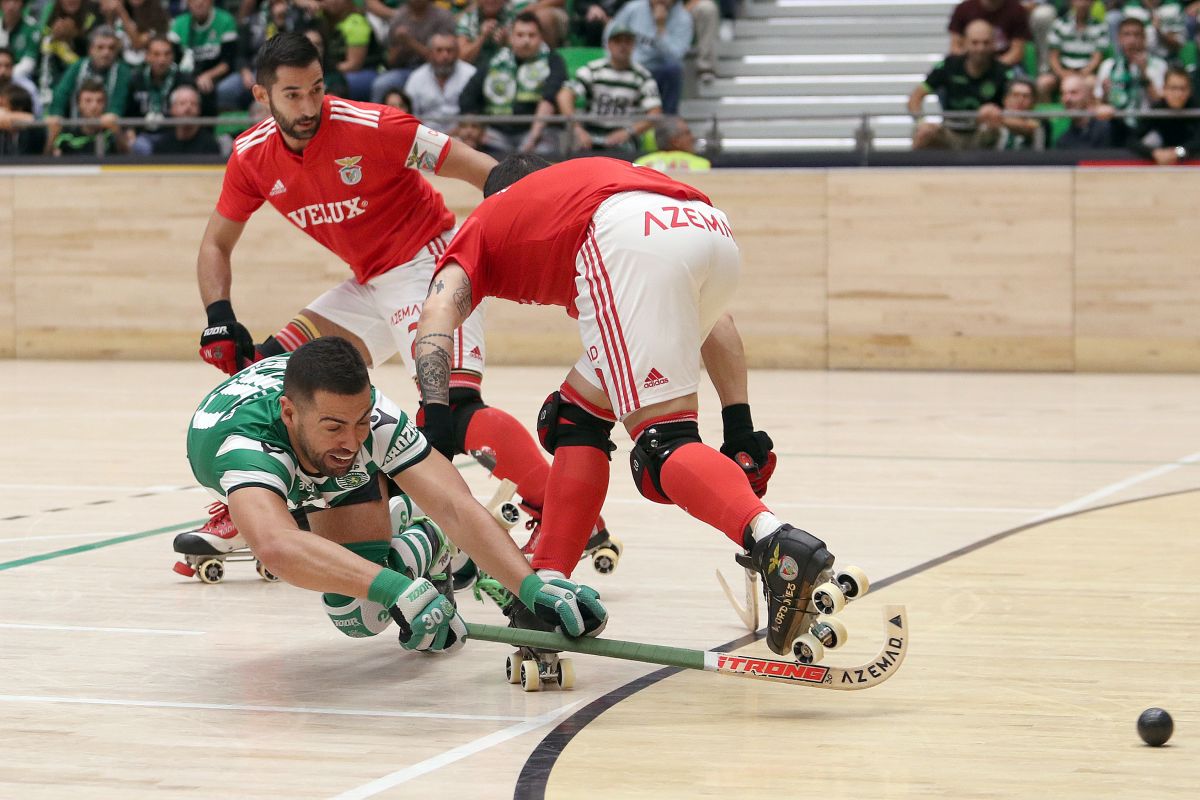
[615,544]
[531,679]
[605,560]
[808,650]
[211,571]
[513,668]
[829,598]
[830,631]
[566,673]
[265,573]
[507,514]
[853,581]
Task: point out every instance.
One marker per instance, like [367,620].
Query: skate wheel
[829,598]
[211,571]
[265,573]
[831,632]
[512,669]
[183,569]
[565,673]
[531,679]
[853,581]
[605,560]
[616,544]
[808,650]
[507,514]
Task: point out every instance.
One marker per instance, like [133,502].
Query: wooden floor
[1031,655]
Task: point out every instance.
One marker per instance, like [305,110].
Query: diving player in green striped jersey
[308,430]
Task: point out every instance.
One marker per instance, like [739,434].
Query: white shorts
[384,312]
[652,278]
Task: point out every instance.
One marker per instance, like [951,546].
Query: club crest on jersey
[352,480]
[350,172]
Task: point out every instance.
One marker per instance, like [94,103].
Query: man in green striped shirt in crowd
[615,88]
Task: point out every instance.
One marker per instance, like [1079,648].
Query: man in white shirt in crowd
[434,87]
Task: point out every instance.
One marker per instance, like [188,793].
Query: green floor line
[83,548]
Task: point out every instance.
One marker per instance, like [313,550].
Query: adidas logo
[278,188]
[655,378]
[475,352]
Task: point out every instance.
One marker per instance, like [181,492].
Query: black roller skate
[791,562]
[530,666]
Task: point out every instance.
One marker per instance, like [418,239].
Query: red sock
[518,457]
[578,483]
[711,488]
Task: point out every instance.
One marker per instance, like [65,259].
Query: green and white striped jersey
[237,439]
[617,93]
[1075,46]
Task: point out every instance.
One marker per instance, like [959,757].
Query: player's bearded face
[295,100]
[299,126]
[329,430]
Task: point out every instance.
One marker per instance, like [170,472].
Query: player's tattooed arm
[433,366]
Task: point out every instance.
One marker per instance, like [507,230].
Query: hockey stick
[822,676]
[749,614]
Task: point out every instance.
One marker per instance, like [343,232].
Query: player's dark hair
[511,170]
[329,364]
[287,49]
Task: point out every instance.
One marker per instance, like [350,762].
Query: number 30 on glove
[427,620]
[570,607]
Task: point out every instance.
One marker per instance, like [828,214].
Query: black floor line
[531,784]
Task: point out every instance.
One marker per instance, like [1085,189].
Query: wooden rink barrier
[962,269]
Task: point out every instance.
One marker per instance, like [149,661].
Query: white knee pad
[403,511]
[355,617]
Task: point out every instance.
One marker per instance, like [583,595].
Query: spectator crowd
[1107,60]
[81,66]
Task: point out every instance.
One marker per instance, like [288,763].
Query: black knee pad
[561,423]
[651,451]
[464,402]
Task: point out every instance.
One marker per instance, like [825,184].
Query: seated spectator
[521,79]
[1077,43]
[1165,23]
[664,34]
[150,90]
[102,64]
[350,46]
[1132,79]
[19,35]
[483,30]
[274,16]
[10,77]
[434,88]
[676,148]
[589,18]
[1170,140]
[396,98]
[1084,133]
[16,109]
[1020,133]
[205,40]
[1010,25]
[186,139]
[553,16]
[976,81]
[615,88]
[146,20]
[99,137]
[335,83]
[408,35]
[64,28]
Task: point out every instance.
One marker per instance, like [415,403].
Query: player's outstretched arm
[301,558]
[466,164]
[446,307]
[225,343]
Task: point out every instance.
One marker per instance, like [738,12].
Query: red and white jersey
[521,244]
[355,188]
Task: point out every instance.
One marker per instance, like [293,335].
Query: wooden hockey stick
[821,676]
[749,614]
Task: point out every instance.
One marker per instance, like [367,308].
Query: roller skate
[603,548]
[803,592]
[206,549]
[533,667]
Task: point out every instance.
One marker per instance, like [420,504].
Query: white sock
[550,574]
[764,525]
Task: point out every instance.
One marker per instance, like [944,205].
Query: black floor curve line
[531,783]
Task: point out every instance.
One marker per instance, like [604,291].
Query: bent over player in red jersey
[349,175]
[646,265]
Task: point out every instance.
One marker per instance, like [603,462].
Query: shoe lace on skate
[219,523]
